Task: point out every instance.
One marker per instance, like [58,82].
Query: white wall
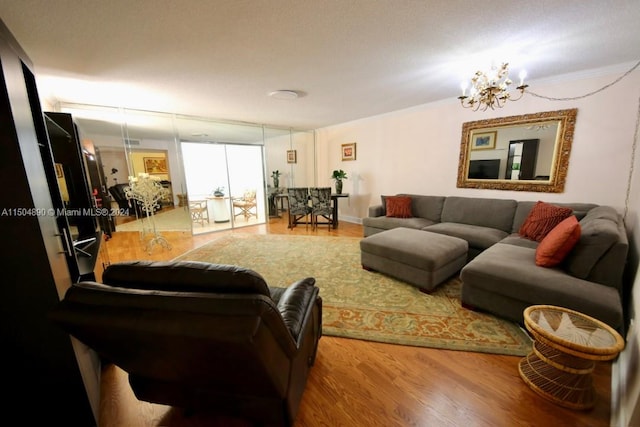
[299,174]
[416,150]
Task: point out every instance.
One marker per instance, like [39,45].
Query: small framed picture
[483,141]
[292,156]
[349,151]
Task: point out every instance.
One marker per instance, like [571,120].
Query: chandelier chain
[633,160]
[587,94]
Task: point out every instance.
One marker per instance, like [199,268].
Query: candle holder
[147,192]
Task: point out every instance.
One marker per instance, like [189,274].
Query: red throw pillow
[398,206]
[558,243]
[542,219]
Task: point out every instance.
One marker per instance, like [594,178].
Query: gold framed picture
[292,156]
[349,151]
[155,165]
[483,141]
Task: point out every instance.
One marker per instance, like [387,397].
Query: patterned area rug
[366,305]
[165,220]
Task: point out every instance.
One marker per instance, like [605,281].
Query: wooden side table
[335,197]
[567,345]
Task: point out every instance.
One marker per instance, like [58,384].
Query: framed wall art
[483,141]
[349,151]
[292,156]
[59,171]
[155,165]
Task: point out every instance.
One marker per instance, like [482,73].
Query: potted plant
[219,192]
[338,175]
[276,178]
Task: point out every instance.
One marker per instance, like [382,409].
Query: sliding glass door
[225,185]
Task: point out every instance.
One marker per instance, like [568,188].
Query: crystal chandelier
[490,90]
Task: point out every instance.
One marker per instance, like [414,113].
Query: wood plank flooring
[360,383]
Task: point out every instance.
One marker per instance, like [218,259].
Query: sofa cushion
[510,271]
[517,240]
[429,207]
[558,243]
[478,237]
[492,213]
[598,234]
[387,223]
[542,219]
[398,207]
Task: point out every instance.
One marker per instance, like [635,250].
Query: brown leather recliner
[201,336]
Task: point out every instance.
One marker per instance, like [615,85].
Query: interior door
[521,161]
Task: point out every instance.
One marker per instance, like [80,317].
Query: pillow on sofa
[542,219]
[557,244]
[398,207]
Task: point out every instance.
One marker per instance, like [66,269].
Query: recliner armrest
[295,302]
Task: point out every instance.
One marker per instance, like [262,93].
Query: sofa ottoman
[421,258]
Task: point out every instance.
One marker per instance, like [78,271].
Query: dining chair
[321,206]
[199,211]
[298,206]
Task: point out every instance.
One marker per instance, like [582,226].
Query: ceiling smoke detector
[283,94]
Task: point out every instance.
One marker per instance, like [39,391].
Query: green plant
[218,192]
[339,175]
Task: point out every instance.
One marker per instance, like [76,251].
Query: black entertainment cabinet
[51,378]
[78,202]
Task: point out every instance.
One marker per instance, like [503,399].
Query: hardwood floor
[360,383]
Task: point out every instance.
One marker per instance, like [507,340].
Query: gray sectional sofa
[501,276]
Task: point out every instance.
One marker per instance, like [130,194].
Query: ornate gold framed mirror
[522,153]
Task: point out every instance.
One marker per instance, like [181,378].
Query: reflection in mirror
[522,153]
[292,154]
[126,137]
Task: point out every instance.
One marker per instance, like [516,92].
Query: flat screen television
[484,169]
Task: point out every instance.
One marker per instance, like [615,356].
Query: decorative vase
[338,186]
[276,182]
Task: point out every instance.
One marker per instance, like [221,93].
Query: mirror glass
[522,153]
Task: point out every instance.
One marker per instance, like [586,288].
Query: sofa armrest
[295,302]
[376,210]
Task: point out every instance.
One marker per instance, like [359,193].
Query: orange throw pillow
[542,219]
[558,243]
[398,206]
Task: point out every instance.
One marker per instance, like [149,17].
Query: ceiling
[347,59]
